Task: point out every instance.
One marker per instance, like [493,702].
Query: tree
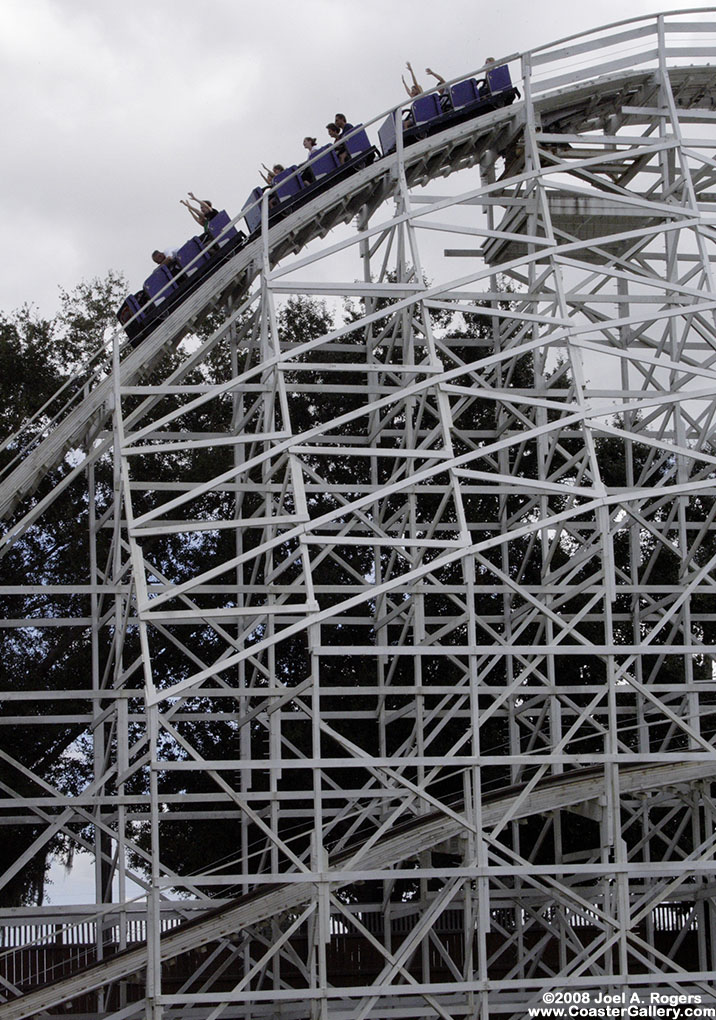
[38,356]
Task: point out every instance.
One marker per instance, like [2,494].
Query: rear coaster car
[169,285]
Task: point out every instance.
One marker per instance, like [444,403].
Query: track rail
[432,158]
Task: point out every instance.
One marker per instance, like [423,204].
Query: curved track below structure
[422,834]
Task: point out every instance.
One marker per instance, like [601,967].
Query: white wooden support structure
[416,607]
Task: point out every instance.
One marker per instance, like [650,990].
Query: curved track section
[363,192]
[435,157]
[423,835]
[401,612]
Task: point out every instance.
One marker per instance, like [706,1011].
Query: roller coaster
[401,622]
[199,257]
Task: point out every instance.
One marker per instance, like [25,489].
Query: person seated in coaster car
[167,257]
[269,176]
[342,124]
[204,212]
[416,89]
[335,133]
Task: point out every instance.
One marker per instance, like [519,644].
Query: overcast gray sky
[112,111]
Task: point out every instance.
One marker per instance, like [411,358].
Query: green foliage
[28,375]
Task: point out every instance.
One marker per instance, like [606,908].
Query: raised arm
[439,77]
[415,89]
[194,212]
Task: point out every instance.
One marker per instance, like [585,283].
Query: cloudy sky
[112,111]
